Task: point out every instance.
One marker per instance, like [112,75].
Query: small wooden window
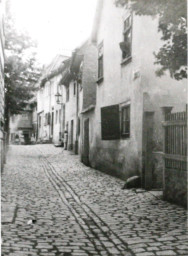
[67,93]
[127,38]
[125,121]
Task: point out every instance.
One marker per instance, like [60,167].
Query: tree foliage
[172,56]
[21,68]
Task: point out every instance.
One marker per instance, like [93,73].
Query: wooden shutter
[110,127]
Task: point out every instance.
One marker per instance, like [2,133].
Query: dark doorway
[52,124]
[86,143]
[72,135]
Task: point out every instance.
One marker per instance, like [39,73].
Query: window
[39,121]
[127,38]
[46,118]
[74,91]
[67,93]
[100,61]
[110,127]
[125,121]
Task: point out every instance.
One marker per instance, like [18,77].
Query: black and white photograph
[93,127]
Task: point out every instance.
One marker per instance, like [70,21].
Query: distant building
[21,127]
[2,92]
[49,112]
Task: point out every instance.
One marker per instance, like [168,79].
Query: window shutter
[110,127]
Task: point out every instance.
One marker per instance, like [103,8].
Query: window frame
[126,30]
[100,71]
[67,93]
[125,123]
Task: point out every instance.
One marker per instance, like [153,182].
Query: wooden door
[72,135]
[86,143]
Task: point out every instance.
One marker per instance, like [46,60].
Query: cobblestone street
[81,211]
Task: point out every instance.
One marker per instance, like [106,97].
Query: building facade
[2,86]
[49,112]
[125,136]
[79,95]
[21,127]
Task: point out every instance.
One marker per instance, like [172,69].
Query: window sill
[126,61]
[100,80]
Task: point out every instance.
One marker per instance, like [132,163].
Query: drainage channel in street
[91,224]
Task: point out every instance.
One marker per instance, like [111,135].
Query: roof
[77,57]
[54,68]
[66,74]
[72,65]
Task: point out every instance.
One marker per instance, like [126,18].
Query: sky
[59,26]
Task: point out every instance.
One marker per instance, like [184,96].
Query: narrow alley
[54,205]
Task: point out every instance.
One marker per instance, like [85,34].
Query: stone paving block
[182,247]
[163,239]
[145,254]
[182,252]
[153,249]
[166,253]
[136,250]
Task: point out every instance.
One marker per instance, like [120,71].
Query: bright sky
[58,25]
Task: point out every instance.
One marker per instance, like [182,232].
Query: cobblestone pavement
[81,211]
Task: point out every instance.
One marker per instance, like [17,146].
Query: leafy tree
[21,69]
[172,56]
